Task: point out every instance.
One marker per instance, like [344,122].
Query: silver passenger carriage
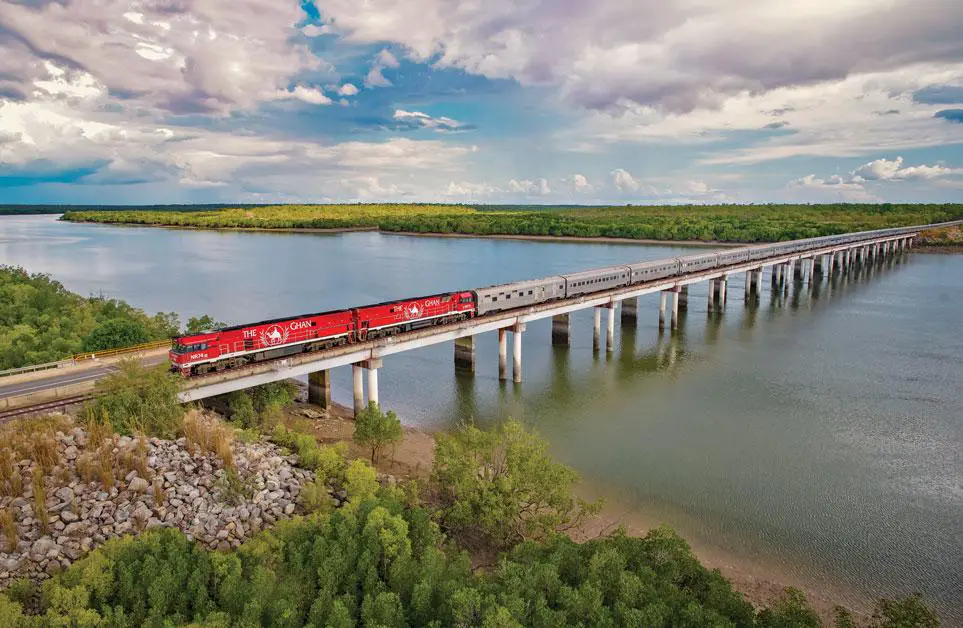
[643,272]
[733,256]
[695,263]
[589,281]
[509,296]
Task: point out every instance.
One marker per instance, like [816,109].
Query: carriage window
[446,298]
[529,292]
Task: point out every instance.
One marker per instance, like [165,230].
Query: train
[232,347]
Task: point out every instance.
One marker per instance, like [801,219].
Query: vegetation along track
[38,408]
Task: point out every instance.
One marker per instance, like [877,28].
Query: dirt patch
[945,240]
[411,458]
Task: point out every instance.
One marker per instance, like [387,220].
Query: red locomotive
[235,346]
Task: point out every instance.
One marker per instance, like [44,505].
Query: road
[69,376]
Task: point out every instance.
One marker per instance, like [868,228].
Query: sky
[501,101]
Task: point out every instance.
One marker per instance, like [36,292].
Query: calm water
[822,433]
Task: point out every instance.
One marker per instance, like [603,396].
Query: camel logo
[412,311]
[273,335]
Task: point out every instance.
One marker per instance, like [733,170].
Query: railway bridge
[805,264]
[366,359]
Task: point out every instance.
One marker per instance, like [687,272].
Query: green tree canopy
[115,333]
[376,430]
[498,488]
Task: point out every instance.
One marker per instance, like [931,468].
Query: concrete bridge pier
[748,289]
[517,352]
[373,365]
[597,329]
[663,296]
[503,354]
[719,287]
[818,264]
[684,298]
[630,312]
[358,378]
[675,308]
[712,295]
[465,354]
[561,330]
[610,329]
[811,272]
[798,270]
[319,388]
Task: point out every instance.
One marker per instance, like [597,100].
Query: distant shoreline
[486,236]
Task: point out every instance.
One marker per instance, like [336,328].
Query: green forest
[41,321]
[409,555]
[723,223]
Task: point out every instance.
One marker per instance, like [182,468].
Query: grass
[207,434]
[40,499]
[9,527]
[728,223]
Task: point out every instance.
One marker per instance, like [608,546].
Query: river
[821,434]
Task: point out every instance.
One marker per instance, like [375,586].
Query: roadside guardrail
[83,357]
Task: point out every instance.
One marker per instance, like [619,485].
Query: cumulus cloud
[624,181]
[675,56]
[310,95]
[313,30]
[348,89]
[527,187]
[189,56]
[834,188]
[581,185]
[376,78]
[893,170]
[853,185]
[470,191]
[417,119]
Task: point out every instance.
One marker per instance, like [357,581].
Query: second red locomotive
[242,344]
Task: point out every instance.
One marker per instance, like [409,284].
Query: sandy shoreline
[760,581]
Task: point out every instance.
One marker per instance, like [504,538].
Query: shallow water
[822,433]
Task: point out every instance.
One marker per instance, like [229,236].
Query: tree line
[723,223]
[41,321]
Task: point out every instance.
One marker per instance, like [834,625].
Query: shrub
[140,398]
[376,430]
[501,487]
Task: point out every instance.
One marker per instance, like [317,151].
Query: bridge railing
[84,357]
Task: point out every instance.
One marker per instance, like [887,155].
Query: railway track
[7,415]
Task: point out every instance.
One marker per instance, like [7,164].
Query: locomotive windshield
[181,348]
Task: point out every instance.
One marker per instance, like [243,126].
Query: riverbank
[760,582]
[689,223]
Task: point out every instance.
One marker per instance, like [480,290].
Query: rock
[64,494]
[138,485]
[10,564]
[68,516]
[289,509]
[70,453]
